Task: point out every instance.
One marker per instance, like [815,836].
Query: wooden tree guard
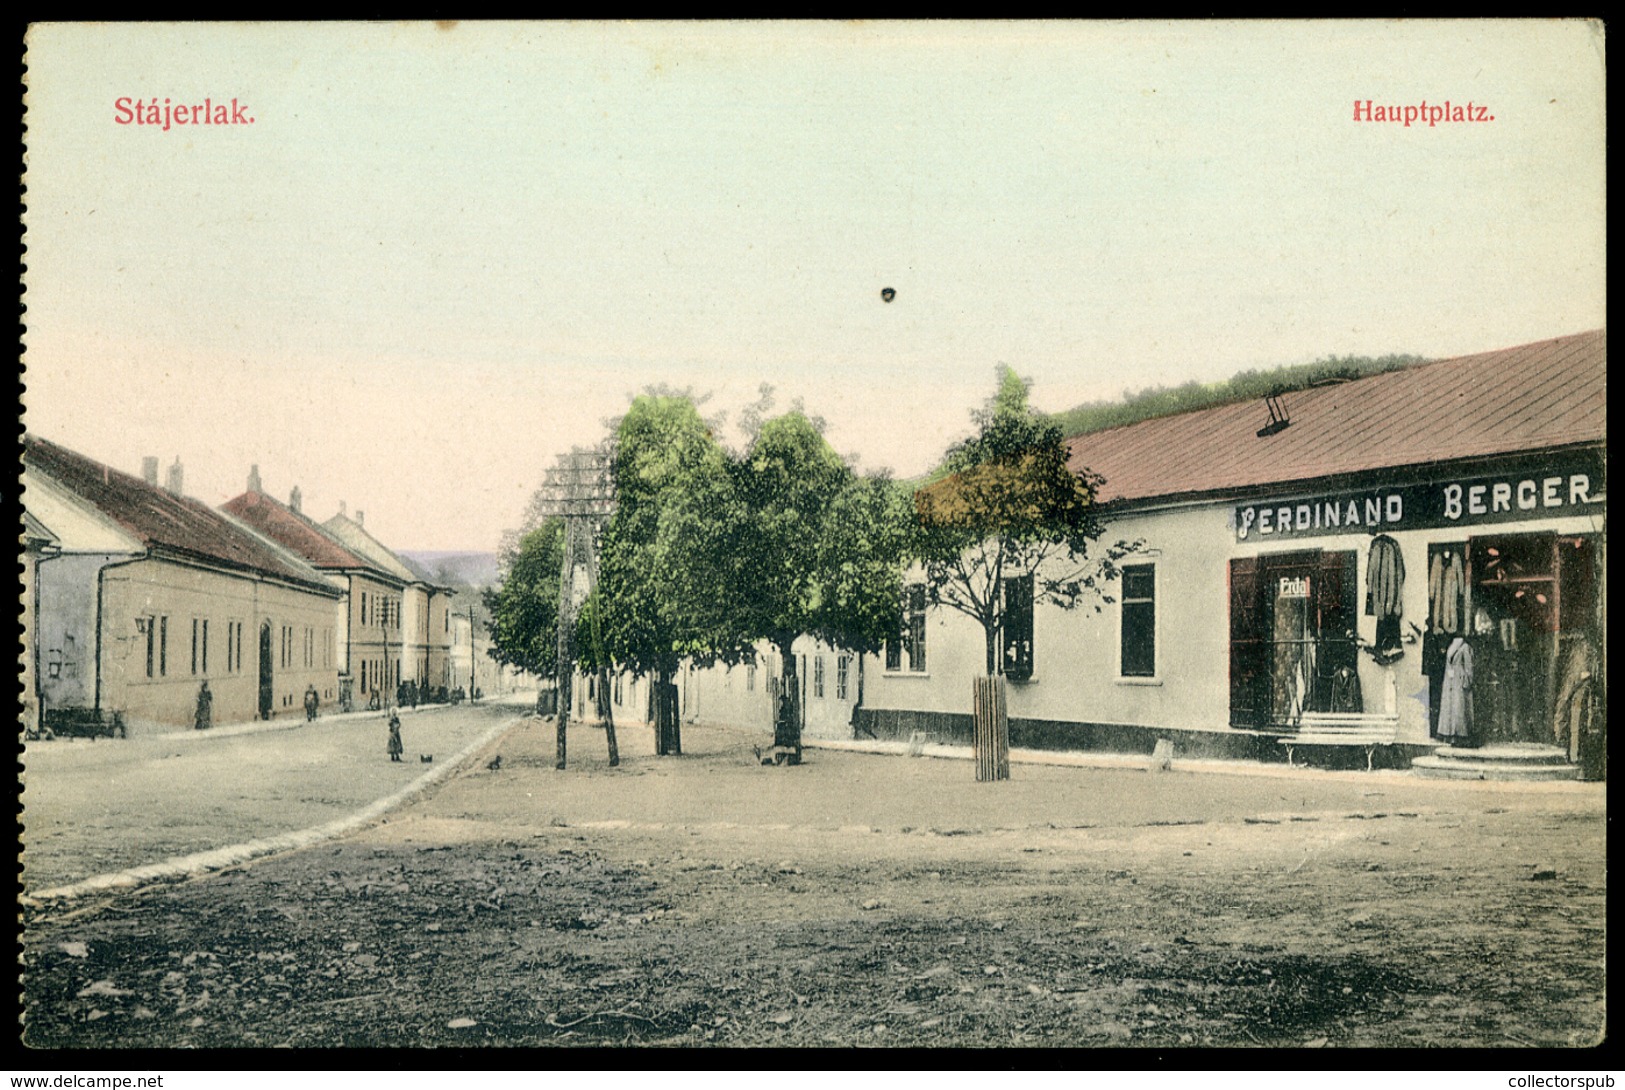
[992,730]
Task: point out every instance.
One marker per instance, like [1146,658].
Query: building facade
[1345,563]
[1337,564]
[394,633]
[155,599]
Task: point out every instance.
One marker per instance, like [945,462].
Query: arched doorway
[265,670]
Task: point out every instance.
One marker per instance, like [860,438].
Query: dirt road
[94,807]
[862,900]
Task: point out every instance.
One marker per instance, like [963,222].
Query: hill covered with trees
[1248,385]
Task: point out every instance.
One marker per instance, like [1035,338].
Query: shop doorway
[1532,600]
[266,680]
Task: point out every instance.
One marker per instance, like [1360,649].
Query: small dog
[426,758]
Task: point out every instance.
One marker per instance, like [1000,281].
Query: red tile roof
[293,530]
[1533,397]
[165,522]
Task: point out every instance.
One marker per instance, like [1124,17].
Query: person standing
[312,702]
[395,748]
[203,716]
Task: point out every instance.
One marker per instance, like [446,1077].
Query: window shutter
[1017,634]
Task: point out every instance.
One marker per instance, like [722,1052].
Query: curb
[1145,762]
[218,858]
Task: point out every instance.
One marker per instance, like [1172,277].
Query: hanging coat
[1456,697]
[1384,579]
[1346,691]
[1571,716]
[1446,582]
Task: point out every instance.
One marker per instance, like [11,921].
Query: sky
[439,256]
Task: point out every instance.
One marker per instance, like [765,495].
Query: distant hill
[458,569]
[1137,405]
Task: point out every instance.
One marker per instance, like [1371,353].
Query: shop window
[1292,636]
[1016,631]
[910,643]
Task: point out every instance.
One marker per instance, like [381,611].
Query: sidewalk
[1211,766]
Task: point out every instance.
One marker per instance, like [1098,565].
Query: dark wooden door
[265,671]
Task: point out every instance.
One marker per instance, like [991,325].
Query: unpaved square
[865,900]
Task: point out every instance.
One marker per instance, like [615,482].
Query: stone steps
[1521,761]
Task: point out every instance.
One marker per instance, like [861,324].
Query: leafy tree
[817,550]
[664,558]
[524,607]
[1011,506]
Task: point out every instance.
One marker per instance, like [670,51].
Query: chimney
[172,479]
[254,478]
[149,470]
[344,509]
[293,499]
[361,518]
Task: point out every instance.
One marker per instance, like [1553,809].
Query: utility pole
[581,490]
[471,659]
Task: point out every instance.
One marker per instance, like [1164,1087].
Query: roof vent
[295,499]
[173,480]
[149,470]
[1279,421]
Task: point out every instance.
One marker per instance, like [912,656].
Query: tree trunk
[668,734]
[674,716]
[992,730]
[608,713]
[990,636]
[787,724]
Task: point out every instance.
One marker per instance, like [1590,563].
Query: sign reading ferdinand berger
[1571,486]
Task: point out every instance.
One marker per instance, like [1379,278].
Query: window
[911,642]
[1016,631]
[205,646]
[363,607]
[842,668]
[1138,649]
[239,646]
[194,645]
[818,676]
[750,671]
[1292,632]
[150,626]
[163,646]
